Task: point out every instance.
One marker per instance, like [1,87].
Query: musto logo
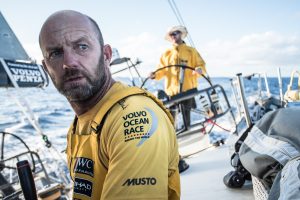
[140,181]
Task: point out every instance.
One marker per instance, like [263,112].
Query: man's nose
[70,59]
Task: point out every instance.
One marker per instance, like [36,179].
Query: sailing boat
[24,172]
[206,171]
[194,144]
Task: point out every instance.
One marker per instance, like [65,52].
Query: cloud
[145,47]
[258,52]
[33,51]
[261,52]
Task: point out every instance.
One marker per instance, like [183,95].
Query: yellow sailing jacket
[132,155]
[183,55]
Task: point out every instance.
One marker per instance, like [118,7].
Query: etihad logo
[140,181]
[83,187]
[84,166]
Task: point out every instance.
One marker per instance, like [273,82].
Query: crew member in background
[116,141]
[180,54]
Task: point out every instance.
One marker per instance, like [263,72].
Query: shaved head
[64,17]
[75,57]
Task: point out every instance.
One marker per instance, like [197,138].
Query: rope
[22,141]
[203,131]
[214,123]
[180,19]
[191,154]
[13,195]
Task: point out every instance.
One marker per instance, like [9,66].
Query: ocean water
[54,116]
[54,113]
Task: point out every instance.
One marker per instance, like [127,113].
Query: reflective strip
[290,180]
[263,144]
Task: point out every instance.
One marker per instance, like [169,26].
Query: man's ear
[45,66]
[107,52]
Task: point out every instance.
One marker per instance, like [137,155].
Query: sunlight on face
[73,57]
[77,91]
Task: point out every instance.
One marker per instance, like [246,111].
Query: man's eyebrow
[83,38]
[53,48]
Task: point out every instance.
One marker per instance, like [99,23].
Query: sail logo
[140,125]
[134,125]
[84,166]
[140,181]
[26,75]
[83,187]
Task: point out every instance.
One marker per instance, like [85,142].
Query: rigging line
[176,11]
[214,123]
[180,19]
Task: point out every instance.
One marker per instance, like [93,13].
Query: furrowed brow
[81,39]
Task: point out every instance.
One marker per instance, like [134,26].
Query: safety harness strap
[98,121]
[100,117]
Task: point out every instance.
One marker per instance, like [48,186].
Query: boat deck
[204,178]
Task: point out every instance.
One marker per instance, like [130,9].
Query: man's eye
[83,46]
[55,54]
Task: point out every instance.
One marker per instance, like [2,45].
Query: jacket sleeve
[161,73]
[142,151]
[199,62]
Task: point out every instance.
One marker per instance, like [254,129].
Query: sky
[232,36]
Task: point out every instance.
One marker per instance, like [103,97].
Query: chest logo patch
[83,187]
[84,166]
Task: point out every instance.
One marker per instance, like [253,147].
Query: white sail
[11,47]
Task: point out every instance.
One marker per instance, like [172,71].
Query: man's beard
[77,92]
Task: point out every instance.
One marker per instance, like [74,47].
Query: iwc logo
[84,166]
